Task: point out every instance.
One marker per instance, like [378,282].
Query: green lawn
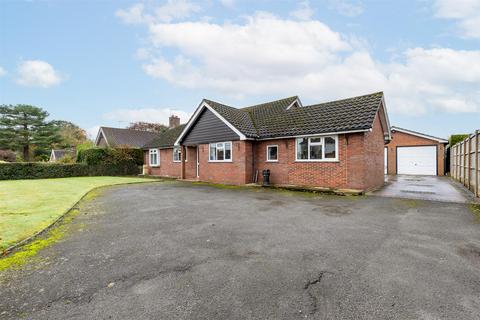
[28,206]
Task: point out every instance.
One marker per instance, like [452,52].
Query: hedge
[37,170]
[96,156]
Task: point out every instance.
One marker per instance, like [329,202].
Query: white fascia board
[297,100]
[100,130]
[419,135]
[384,105]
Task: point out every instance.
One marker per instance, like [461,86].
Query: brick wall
[374,157]
[167,167]
[236,172]
[360,163]
[401,139]
[288,171]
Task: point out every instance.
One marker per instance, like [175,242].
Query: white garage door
[417,160]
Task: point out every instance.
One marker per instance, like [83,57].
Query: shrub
[93,156]
[456,138]
[34,170]
[66,159]
[97,156]
[8,156]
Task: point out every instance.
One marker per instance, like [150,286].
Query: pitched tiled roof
[272,119]
[237,117]
[275,119]
[165,139]
[127,137]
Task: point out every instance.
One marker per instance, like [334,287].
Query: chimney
[173,121]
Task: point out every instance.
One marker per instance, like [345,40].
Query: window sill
[154,165]
[177,161]
[271,160]
[220,161]
[323,160]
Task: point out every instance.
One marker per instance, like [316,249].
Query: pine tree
[22,126]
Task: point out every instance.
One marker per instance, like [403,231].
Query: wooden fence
[465,162]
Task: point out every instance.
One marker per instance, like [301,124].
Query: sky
[115,62]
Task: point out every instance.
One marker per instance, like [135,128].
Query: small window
[177,154]
[220,151]
[272,153]
[317,149]
[153,156]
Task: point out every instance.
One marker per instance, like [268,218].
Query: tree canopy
[23,126]
[71,134]
[148,126]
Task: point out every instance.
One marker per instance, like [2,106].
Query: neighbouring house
[56,155]
[414,153]
[125,138]
[335,145]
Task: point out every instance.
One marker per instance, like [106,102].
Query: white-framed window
[220,152]
[317,148]
[154,157]
[177,154]
[272,153]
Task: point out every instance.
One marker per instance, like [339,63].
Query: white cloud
[347,8]
[132,15]
[37,73]
[2,72]
[303,12]
[268,55]
[156,115]
[170,11]
[465,12]
[228,3]
[92,132]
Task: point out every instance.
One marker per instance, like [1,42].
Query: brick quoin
[401,139]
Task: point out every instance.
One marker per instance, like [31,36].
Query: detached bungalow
[337,145]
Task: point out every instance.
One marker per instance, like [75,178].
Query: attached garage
[414,153]
[421,160]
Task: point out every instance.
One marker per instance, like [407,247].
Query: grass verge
[29,206]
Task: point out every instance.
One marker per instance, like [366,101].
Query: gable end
[208,128]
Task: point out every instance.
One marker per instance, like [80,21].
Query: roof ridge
[270,102]
[345,99]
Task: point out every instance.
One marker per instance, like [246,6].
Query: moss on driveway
[28,206]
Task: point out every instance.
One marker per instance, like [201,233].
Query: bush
[8,156]
[66,159]
[97,156]
[34,170]
[456,138]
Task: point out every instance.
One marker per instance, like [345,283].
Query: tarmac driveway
[182,251]
[425,188]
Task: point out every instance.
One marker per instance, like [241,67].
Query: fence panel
[465,162]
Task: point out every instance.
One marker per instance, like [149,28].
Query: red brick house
[414,153]
[336,145]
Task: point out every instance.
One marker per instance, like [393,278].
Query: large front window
[317,149]
[153,156]
[221,151]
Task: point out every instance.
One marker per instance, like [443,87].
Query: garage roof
[418,134]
